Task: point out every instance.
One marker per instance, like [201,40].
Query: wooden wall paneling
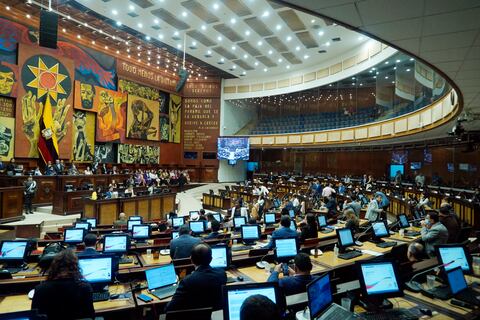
[130,207]
[143,209]
[155,209]
[108,213]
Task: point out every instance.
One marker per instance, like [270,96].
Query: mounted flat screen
[233,149]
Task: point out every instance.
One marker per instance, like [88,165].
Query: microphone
[414,286]
[263,264]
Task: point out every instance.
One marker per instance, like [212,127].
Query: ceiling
[444,33]
[245,38]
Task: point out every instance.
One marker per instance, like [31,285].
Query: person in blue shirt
[181,247]
[283,232]
[298,277]
[90,242]
[215,228]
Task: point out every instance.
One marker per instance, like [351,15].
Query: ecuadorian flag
[47,141]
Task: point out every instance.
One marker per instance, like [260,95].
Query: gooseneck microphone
[414,286]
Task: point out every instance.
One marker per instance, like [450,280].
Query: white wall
[236,173]
[234,118]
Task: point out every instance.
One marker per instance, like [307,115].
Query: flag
[47,141]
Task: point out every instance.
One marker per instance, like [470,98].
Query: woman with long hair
[64,295]
[309,227]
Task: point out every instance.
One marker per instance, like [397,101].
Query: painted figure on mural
[174,119]
[141,127]
[87,92]
[7,80]
[110,118]
[82,150]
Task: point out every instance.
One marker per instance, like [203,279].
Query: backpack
[50,251]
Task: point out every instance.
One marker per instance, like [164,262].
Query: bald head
[201,254]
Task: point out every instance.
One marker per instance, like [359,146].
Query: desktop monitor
[115,243]
[161,277]
[197,226]
[345,238]
[238,222]
[96,269]
[217,216]
[11,250]
[380,230]
[454,255]
[73,235]
[175,234]
[291,213]
[141,231]
[403,221]
[251,232]
[379,279]
[269,218]
[285,249]
[135,218]
[322,221]
[131,223]
[92,221]
[178,222]
[193,214]
[456,280]
[293,225]
[319,295]
[220,257]
[235,295]
[83,225]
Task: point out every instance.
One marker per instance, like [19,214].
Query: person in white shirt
[88,171]
[239,211]
[420,180]
[327,191]
[263,190]
[347,180]
[255,191]
[295,202]
[373,210]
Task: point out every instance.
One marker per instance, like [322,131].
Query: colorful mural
[130,153]
[142,118]
[83,136]
[111,115]
[175,118]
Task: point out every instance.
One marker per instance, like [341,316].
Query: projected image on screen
[233,149]
[236,298]
[115,244]
[379,278]
[13,250]
[394,168]
[96,270]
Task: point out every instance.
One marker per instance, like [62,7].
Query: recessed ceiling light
[222,59]
[386,77]
[265,69]
[408,70]
[114,12]
[397,61]
[234,67]
[393,81]
[259,43]
[78,36]
[306,56]
[280,60]
[411,59]
[131,7]
[270,51]
[297,48]
[138,47]
[244,72]
[288,67]
[327,43]
[233,21]
[219,38]
[93,42]
[160,36]
[386,62]
[7,7]
[194,43]
[321,33]
[394,68]
[360,38]
[64,30]
[374,77]
[278,27]
[179,46]
[209,52]
[119,23]
[353,78]
[148,38]
[184,14]
[234,48]
[204,27]
[361,84]
[289,38]
[156,21]
[256,63]
[216,6]
[140,25]
[247,33]
[266,13]
[245,56]
[28,16]
[312,21]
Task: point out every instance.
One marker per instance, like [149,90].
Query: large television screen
[427,156]
[394,168]
[233,149]
[399,157]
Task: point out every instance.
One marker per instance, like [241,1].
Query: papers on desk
[372,253]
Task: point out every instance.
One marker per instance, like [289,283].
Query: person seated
[64,295]
[130,191]
[415,252]
[203,287]
[451,222]
[49,170]
[181,247]
[259,306]
[374,210]
[297,279]
[238,210]
[283,232]
[58,167]
[215,225]
[88,171]
[37,172]
[433,233]
[331,206]
[109,193]
[309,228]
[353,203]
[122,221]
[352,221]
[90,242]
[73,171]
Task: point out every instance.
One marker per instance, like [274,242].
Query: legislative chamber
[239,160]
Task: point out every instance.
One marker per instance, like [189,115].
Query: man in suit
[181,247]
[203,287]
[433,233]
[451,222]
[215,228]
[298,278]
[283,232]
[90,242]
[374,208]
[58,167]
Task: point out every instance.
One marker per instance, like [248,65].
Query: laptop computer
[162,281]
[320,301]
[459,288]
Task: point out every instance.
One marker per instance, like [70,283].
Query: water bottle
[335,250]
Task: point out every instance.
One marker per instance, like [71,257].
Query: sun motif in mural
[47,79]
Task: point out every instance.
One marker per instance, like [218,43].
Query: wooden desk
[152,207]
[330,261]
[11,204]
[397,237]
[261,275]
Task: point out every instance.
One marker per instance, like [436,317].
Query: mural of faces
[7,80]
[87,92]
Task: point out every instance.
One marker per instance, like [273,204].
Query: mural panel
[142,118]
[130,153]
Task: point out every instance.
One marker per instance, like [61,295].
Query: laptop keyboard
[326,230]
[101,296]
[125,261]
[386,244]
[163,293]
[349,255]
[468,296]
[412,233]
[335,312]
[241,248]
[402,314]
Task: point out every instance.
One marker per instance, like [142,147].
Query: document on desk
[372,253]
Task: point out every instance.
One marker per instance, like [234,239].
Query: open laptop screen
[236,297]
[161,276]
[319,296]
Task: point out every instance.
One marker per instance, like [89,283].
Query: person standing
[29,192]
